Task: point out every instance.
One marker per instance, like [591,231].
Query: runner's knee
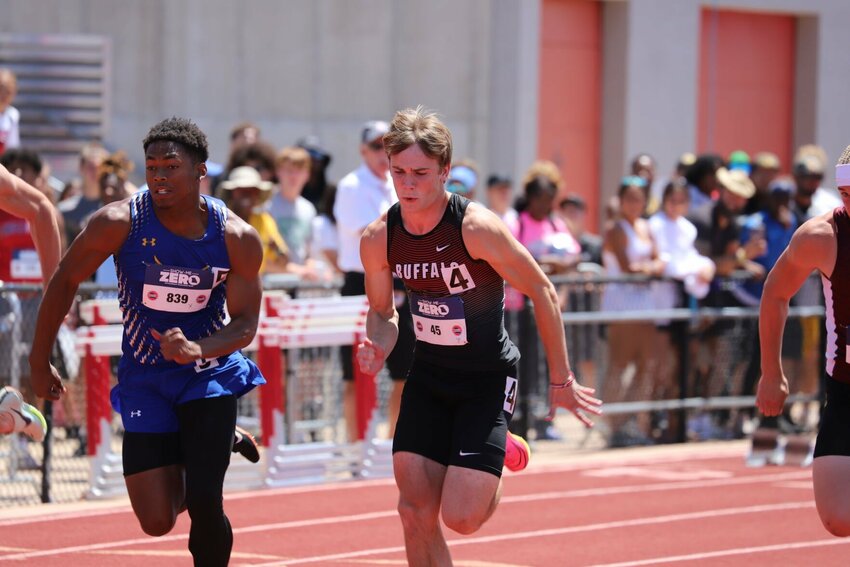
[463,522]
[837,525]
[416,515]
[157,525]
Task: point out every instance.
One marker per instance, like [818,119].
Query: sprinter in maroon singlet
[453,257]
[823,244]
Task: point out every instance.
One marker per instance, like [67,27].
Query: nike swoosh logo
[25,418]
[464,454]
[441,248]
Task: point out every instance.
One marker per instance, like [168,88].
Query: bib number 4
[510,394]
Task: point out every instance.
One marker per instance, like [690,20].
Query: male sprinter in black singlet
[822,243]
[454,257]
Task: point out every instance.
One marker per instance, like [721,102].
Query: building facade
[585,83]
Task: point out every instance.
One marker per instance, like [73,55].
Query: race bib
[205,364]
[510,395]
[25,265]
[457,278]
[438,320]
[176,290]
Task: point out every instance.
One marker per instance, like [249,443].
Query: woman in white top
[629,249]
[674,237]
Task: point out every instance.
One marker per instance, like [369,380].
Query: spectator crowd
[706,233]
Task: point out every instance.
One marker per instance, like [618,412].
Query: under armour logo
[136,413]
[146,241]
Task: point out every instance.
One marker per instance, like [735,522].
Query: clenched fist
[175,346]
[371,357]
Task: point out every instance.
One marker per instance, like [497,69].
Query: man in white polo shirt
[362,196]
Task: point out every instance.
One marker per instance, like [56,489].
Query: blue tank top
[166,281]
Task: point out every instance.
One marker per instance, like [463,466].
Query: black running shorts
[457,419]
[834,428]
[145,451]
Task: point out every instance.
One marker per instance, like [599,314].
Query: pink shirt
[540,236]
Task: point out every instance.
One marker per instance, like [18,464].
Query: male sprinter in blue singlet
[822,243]
[454,257]
[181,258]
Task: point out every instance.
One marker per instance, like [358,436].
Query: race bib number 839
[176,290]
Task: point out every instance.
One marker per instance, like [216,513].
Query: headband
[842,175]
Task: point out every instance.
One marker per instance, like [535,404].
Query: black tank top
[836,292]
[457,303]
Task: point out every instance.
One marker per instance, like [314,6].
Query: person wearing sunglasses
[362,196]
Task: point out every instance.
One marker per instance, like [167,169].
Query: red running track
[677,506]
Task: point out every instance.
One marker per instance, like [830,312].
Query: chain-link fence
[674,374]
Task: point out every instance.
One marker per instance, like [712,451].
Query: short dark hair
[539,185]
[182,131]
[22,157]
[497,179]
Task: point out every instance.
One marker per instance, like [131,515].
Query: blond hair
[546,169]
[294,156]
[423,128]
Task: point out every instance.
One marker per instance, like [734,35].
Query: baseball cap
[808,164]
[687,159]
[739,159]
[462,180]
[573,200]
[736,181]
[782,185]
[766,160]
[314,147]
[373,130]
[497,179]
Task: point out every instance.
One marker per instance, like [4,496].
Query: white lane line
[670,518]
[729,552]
[545,469]
[583,493]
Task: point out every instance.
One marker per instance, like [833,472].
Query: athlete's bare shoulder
[373,245]
[111,217]
[485,235]
[375,231]
[239,232]
[814,244]
[480,221]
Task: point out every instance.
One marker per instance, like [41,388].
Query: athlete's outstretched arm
[244,295]
[382,318]
[21,199]
[105,232]
[813,247]
[486,238]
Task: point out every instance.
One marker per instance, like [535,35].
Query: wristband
[569,382]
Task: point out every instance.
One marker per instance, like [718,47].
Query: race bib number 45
[176,290]
[438,320]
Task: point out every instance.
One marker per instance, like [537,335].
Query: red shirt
[18,257]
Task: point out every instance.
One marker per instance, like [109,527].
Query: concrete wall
[323,67]
[296,67]
[650,101]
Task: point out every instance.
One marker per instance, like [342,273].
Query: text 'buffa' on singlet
[166,281]
[457,303]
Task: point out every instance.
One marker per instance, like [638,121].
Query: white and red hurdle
[285,323]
